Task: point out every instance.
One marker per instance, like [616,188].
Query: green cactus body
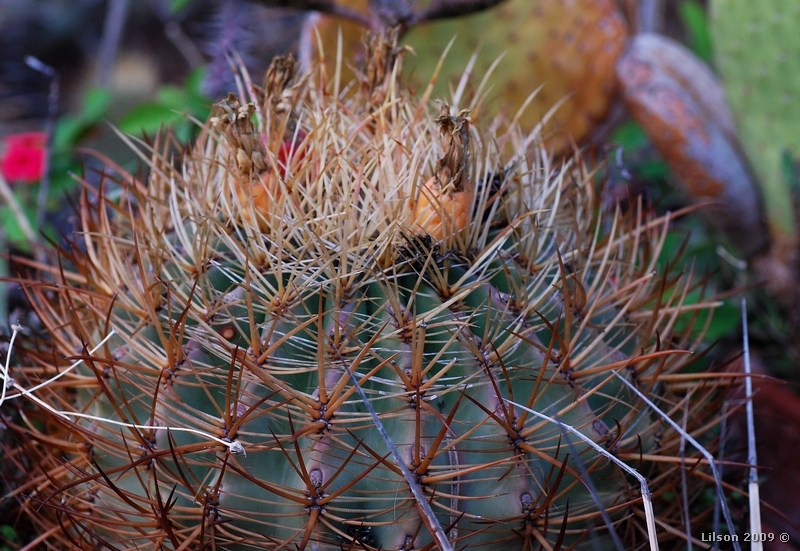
[758,55]
[237,318]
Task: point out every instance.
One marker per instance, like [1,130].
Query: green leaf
[200,104]
[8,534]
[67,131]
[177,5]
[630,135]
[654,170]
[726,319]
[695,21]
[95,105]
[194,81]
[12,229]
[173,97]
[148,117]
[70,129]
[791,171]
[61,182]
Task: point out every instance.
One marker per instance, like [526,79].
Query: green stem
[16,210]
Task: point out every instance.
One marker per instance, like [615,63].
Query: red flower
[23,157]
[291,152]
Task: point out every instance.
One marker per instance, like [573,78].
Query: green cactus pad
[567,48]
[758,54]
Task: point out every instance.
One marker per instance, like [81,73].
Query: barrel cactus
[329,325]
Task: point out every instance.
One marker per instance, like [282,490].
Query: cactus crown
[320,242]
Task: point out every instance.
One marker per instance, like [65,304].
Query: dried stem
[323,6]
[684,486]
[443,9]
[7,381]
[116,15]
[49,127]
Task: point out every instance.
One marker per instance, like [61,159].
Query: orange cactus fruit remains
[438,213]
[258,176]
[442,207]
[262,193]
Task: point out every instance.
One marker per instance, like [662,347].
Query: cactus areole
[326,256]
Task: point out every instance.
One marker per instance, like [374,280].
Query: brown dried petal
[280,75]
[452,168]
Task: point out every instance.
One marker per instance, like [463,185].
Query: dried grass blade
[709,457]
[437,532]
[752,459]
[645,490]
